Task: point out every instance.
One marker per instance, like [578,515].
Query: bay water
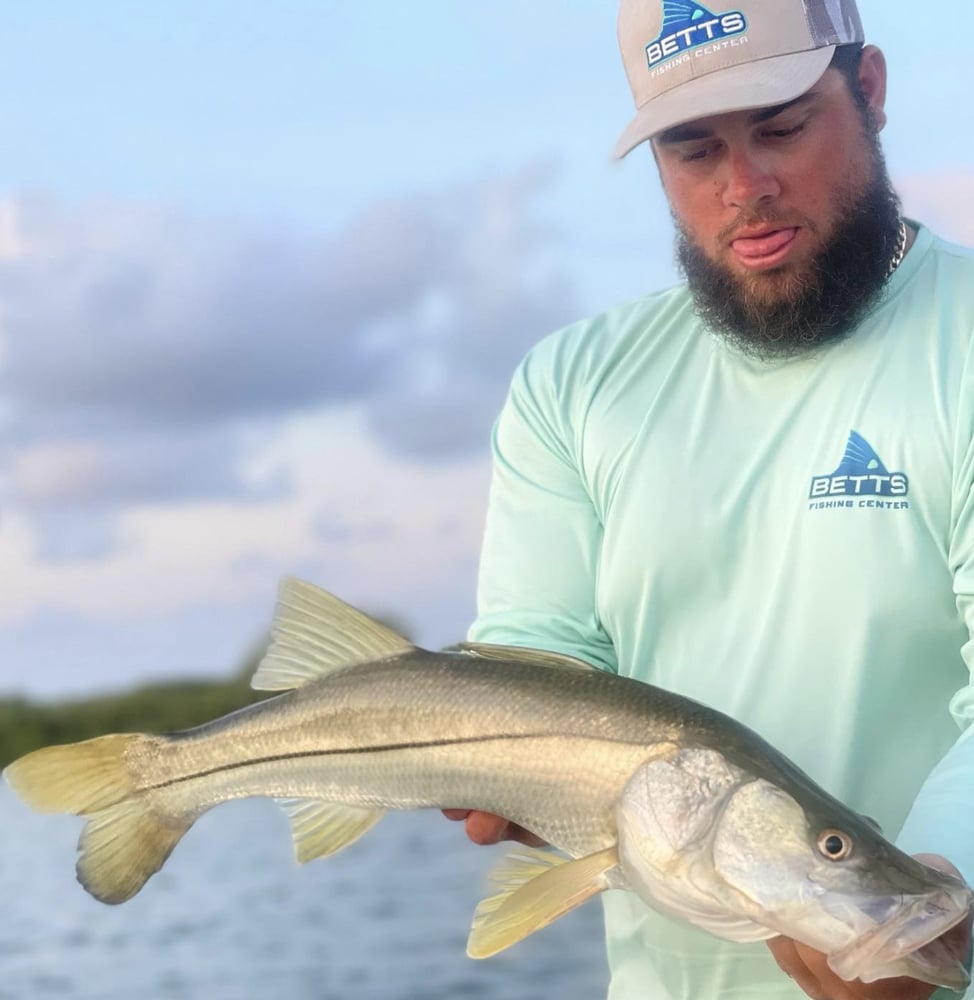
[232,916]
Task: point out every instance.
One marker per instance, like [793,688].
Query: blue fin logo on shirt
[688,25]
[861,473]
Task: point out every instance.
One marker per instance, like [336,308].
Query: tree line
[155,708]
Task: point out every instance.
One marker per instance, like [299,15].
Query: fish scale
[327,741]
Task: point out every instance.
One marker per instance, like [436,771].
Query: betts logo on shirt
[861,480]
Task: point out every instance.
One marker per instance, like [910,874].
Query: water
[233,917]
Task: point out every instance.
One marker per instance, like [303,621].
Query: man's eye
[785,133]
[696,155]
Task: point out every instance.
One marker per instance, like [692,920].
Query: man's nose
[750,179]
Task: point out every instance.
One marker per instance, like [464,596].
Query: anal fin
[322,828]
[535,887]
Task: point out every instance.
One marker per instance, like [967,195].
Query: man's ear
[872,80]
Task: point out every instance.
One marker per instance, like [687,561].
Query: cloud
[75,491]
[191,587]
[133,468]
[144,350]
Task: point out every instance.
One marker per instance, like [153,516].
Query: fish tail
[125,840]
[79,778]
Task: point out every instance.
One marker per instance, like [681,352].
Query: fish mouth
[909,940]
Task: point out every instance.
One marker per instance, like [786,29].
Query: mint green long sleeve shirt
[791,542]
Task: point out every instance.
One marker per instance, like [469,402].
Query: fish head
[823,875]
[747,857]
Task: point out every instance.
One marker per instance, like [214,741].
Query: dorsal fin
[523,654]
[314,633]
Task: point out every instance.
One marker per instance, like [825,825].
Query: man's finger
[486,828]
[789,961]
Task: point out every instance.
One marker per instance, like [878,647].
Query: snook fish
[635,787]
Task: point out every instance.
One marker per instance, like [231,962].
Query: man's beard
[783,313]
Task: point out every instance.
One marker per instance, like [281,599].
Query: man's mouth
[764,248]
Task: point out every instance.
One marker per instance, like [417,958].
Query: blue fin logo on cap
[688,25]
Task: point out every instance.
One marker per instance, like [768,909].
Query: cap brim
[758,84]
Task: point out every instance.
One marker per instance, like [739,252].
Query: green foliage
[155,708]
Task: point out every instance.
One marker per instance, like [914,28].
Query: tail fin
[125,841]
[79,778]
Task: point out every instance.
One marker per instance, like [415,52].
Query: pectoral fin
[535,888]
[322,828]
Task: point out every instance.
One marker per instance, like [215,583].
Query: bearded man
[755,488]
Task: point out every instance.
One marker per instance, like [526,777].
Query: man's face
[786,220]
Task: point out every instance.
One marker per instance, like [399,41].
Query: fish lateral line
[352,751]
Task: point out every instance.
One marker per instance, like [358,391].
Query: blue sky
[264,274]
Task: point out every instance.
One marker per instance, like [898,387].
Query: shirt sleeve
[941,820]
[540,557]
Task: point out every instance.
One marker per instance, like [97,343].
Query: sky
[265,272]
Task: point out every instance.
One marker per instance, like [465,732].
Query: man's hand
[486,828]
[810,970]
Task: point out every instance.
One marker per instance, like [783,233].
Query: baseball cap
[686,61]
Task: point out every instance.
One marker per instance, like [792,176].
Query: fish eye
[834,845]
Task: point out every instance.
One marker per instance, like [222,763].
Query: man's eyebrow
[765,114]
[681,133]
[691,131]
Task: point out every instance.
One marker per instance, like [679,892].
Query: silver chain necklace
[900,250]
